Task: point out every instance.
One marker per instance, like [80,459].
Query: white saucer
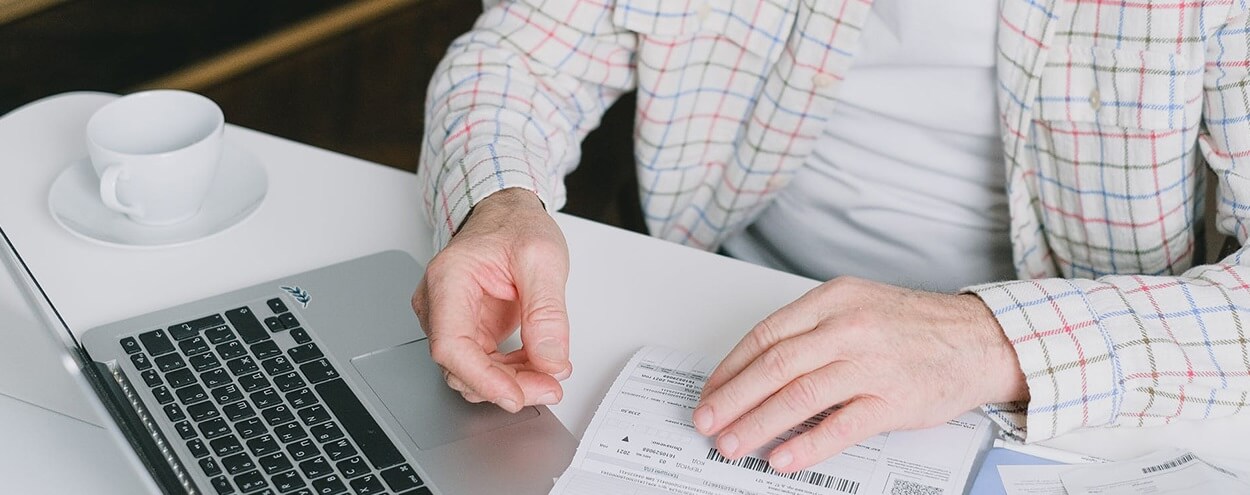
[236,193]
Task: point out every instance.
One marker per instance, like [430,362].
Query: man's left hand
[893,358]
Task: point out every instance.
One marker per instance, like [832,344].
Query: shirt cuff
[481,173]
[1067,356]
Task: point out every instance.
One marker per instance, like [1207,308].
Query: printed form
[641,441]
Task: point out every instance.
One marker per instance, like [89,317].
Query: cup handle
[108,190]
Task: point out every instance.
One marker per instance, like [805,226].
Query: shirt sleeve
[1133,350]
[511,101]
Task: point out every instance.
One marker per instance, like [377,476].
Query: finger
[792,319]
[465,359]
[540,388]
[855,422]
[806,396]
[541,274]
[766,375]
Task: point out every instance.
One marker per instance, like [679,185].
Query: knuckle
[546,308]
[803,394]
[441,353]
[842,427]
[776,362]
[765,332]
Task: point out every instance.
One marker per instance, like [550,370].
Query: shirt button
[1095,100]
[704,11]
[823,80]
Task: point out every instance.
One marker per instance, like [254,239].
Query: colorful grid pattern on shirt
[1109,111]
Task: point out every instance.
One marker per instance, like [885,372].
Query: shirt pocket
[1131,89]
[759,27]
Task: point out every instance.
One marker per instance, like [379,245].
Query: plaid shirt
[1108,111]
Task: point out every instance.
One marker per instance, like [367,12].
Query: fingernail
[564,375]
[550,349]
[508,404]
[548,399]
[728,444]
[780,460]
[703,419]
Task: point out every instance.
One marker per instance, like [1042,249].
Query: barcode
[1168,465]
[905,487]
[810,477]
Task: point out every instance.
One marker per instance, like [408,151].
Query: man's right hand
[508,265]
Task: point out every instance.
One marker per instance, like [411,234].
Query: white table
[625,290]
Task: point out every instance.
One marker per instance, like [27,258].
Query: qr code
[904,487]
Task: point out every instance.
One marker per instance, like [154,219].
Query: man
[935,145]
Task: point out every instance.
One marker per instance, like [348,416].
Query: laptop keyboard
[265,415]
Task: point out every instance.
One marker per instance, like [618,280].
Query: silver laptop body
[320,382]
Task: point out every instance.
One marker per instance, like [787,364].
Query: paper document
[642,441]
[1024,479]
[1170,471]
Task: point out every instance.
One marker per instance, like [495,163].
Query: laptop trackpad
[411,387]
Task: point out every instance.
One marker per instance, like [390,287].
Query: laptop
[316,383]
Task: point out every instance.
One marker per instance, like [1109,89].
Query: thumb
[544,318]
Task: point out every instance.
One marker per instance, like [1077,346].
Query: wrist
[1005,382]
[504,203]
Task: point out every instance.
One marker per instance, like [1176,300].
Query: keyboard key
[169,363]
[197,448]
[316,468]
[339,449]
[174,413]
[185,430]
[277,415]
[193,328]
[202,411]
[288,382]
[288,482]
[303,449]
[238,411]
[214,428]
[231,350]
[130,345]
[204,362]
[162,395]
[304,353]
[253,382]
[156,342]
[288,320]
[301,336]
[141,361]
[277,366]
[215,378]
[326,432]
[263,446]
[330,485]
[242,366]
[290,432]
[246,324]
[249,428]
[191,394]
[274,463]
[238,463]
[277,306]
[151,378]
[180,378]
[222,485]
[419,491]
[274,324]
[227,394]
[250,481]
[226,446]
[367,485]
[353,467]
[301,398]
[359,424]
[194,345]
[318,371]
[313,415]
[265,350]
[401,477]
[210,466]
[265,398]
[218,335]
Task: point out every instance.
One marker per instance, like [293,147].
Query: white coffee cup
[156,153]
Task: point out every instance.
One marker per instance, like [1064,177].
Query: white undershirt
[906,186]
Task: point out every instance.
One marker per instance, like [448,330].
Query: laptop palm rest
[411,388]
